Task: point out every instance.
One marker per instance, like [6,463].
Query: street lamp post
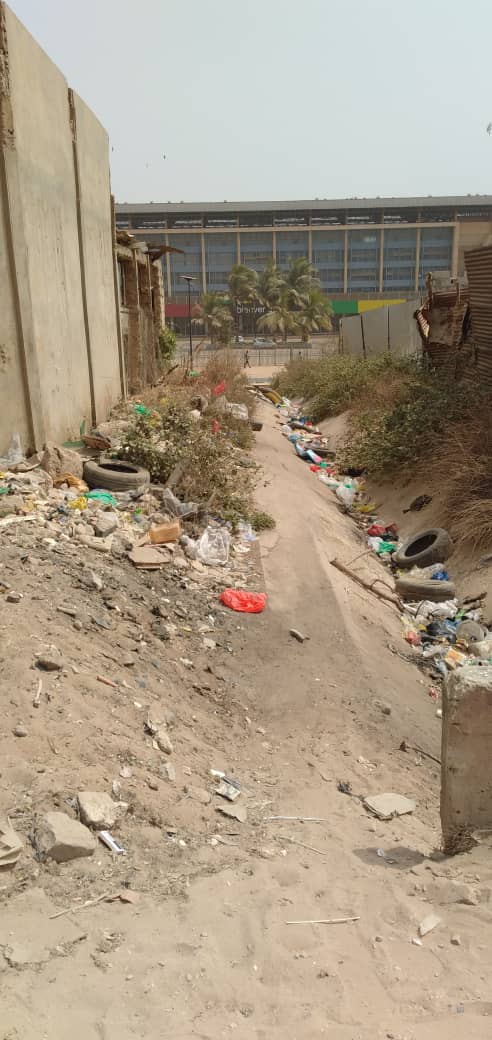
[188,278]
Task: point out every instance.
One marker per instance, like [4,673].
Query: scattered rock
[455,940]
[445,891]
[428,924]
[78,626]
[14,597]
[168,772]
[387,805]
[298,635]
[59,837]
[105,524]
[209,644]
[384,708]
[51,661]
[20,731]
[154,786]
[199,794]
[236,812]
[98,810]
[10,504]
[126,772]
[94,581]
[56,459]
[163,742]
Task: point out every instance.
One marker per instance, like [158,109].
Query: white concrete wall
[59,254]
[93,163]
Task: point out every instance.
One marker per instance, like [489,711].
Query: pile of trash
[445,632]
[109,506]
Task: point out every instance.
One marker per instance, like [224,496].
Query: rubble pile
[116,644]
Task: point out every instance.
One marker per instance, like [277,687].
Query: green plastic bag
[142,410]
[105,497]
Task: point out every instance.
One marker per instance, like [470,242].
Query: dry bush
[461,466]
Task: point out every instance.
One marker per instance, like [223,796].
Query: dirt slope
[207,952]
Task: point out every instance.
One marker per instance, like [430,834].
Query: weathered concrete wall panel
[385,328]
[92,148]
[57,288]
[13,405]
[44,150]
[466,771]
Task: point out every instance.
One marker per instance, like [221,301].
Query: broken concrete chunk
[98,810]
[59,837]
[236,812]
[10,504]
[298,635]
[51,661]
[56,459]
[385,806]
[105,524]
[10,845]
[428,924]
[168,772]
[199,794]
[163,742]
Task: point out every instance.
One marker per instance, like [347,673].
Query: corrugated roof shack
[443,322]
[478,263]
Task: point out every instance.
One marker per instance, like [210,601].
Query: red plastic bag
[245,602]
[219,389]
[215,426]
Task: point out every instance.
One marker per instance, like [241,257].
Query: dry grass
[461,466]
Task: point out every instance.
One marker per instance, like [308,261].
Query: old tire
[115,475]
[417,589]
[425,548]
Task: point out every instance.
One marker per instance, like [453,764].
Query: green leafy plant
[167,345]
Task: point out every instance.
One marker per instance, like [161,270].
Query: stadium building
[366,252]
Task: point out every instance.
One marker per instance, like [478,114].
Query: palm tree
[315,314]
[243,284]
[299,280]
[216,313]
[280,318]
[270,285]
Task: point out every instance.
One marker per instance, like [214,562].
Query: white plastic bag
[213,546]
[346,495]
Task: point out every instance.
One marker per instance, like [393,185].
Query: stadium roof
[380,202]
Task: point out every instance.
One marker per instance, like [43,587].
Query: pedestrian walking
[246,359]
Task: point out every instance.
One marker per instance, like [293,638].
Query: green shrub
[328,386]
[386,435]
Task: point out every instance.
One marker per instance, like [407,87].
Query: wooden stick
[37,695]
[302,845]
[366,584]
[300,819]
[329,920]
[82,906]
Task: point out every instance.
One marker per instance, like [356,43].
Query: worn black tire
[115,475]
[413,590]
[421,550]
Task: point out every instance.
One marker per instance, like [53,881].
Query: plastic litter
[174,506]
[140,409]
[213,546]
[244,602]
[345,495]
[78,503]
[104,497]
[246,532]
[14,454]
[219,389]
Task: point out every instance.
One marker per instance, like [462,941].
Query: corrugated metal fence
[478,263]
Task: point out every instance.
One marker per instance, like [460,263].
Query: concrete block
[59,837]
[466,770]
[98,810]
[105,524]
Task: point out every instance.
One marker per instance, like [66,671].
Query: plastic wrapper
[213,546]
[244,602]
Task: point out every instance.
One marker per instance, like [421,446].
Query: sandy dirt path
[224,961]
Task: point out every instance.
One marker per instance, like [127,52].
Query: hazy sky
[280,99]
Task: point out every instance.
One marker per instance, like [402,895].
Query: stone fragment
[105,524]
[59,837]
[98,810]
[51,661]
